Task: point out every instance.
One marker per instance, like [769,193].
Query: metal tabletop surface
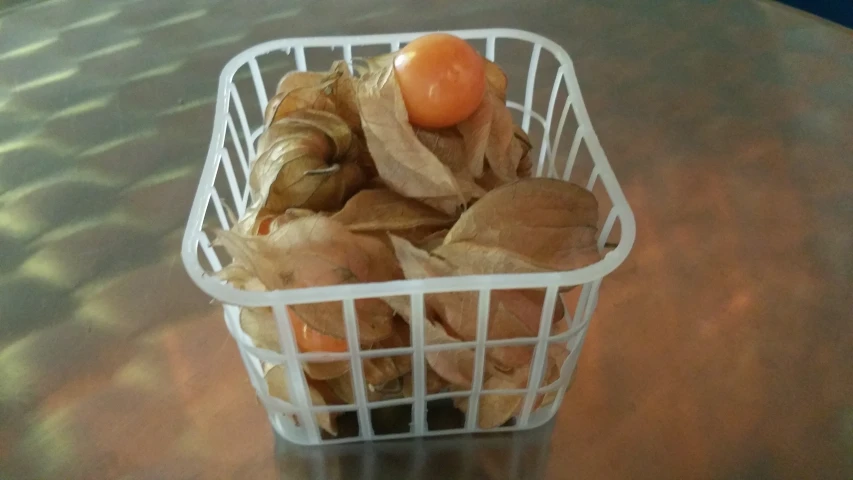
[721,349]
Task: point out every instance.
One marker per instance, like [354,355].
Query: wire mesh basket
[547,103]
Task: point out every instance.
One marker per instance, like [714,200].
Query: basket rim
[226,293]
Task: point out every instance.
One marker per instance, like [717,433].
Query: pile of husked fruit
[411,168]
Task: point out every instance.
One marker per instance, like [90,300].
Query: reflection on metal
[45,80]
[27,49]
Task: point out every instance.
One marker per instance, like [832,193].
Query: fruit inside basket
[408,166]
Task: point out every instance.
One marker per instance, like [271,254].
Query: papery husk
[259,324]
[309,120]
[325,370]
[558,353]
[474,131]
[431,241]
[452,149]
[366,65]
[513,314]
[454,366]
[433,383]
[418,235]
[305,164]
[447,144]
[382,210]
[276,378]
[496,409]
[343,389]
[291,144]
[395,388]
[309,184]
[496,79]
[522,142]
[430,236]
[343,94]
[296,79]
[525,166]
[248,223]
[549,222]
[404,163]
[499,156]
[317,251]
[469,258]
[382,375]
[293,214]
[377,371]
[252,220]
[241,276]
[458,310]
[332,91]
[381,370]
[285,103]
[490,136]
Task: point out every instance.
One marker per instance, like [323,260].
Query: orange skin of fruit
[310,340]
[442,79]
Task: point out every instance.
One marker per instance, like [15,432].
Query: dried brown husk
[248,223]
[469,258]
[489,135]
[452,149]
[317,251]
[366,65]
[361,156]
[380,370]
[295,80]
[343,388]
[338,133]
[382,375]
[307,165]
[496,409]
[454,366]
[315,97]
[501,133]
[550,222]
[241,276]
[458,310]
[321,395]
[325,370]
[475,135]
[342,93]
[525,166]
[433,383]
[513,313]
[332,91]
[259,324]
[496,79]
[382,210]
[431,241]
[447,144]
[521,140]
[404,163]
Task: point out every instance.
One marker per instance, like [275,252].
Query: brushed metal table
[722,349]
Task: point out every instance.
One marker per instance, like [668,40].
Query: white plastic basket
[549,106]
